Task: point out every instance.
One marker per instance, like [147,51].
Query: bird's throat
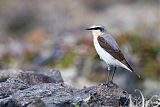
[96,33]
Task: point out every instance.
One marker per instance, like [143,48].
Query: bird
[108,49]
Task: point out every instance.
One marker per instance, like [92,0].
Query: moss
[152,69]
[77,105]
[29,57]
[8,59]
[67,60]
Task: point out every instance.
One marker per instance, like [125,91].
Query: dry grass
[140,101]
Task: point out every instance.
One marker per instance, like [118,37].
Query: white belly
[105,56]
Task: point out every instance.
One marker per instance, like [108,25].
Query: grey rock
[54,74]
[37,103]
[37,78]
[11,86]
[32,89]
[9,73]
[58,93]
[33,78]
[8,102]
[106,94]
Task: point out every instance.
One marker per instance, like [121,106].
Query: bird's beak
[89,29]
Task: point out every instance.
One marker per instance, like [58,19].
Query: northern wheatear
[108,49]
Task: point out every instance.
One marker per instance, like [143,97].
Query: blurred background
[43,34]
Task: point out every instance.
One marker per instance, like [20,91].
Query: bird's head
[97,30]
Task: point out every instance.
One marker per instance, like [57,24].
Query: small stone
[37,103]
[55,75]
[34,78]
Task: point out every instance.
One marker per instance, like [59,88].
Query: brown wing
[116,53]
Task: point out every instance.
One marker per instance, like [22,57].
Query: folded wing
[110,45]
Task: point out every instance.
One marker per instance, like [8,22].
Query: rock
[47,89]
[54,74]
[37,103]
[33,78]
[124,99]
[11,86]
[8,102]
[106,94]
[58,95]
[9,73]
[49,93]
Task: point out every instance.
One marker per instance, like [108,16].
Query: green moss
[8,59]
[154,50]
[77,105]
[29,57]
[152,69]
[68,59]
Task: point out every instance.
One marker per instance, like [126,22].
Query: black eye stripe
[97,28]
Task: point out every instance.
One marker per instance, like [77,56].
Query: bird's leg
[109,70]
[113,72]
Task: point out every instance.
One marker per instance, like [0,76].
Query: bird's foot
[111,84]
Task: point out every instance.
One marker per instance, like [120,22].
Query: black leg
[113,72]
